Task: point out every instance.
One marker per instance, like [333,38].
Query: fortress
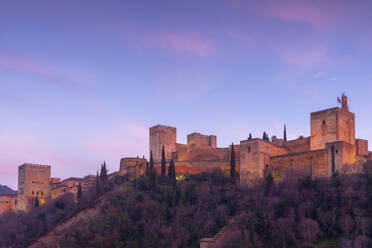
[35,182]
[331,147]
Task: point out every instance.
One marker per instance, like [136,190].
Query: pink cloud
[310,56]
[305,12]
[185,43]
[32,67]
[318,15]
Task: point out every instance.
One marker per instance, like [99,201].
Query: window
[324,122]
[33,192]
[42,193]
[249,149]
[336,151]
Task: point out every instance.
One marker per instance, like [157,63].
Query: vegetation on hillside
[153,212]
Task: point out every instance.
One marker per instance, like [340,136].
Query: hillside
[6,189]
[328,212]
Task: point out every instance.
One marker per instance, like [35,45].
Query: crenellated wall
[201,140]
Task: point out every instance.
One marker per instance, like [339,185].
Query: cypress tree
[250,136]
[103,175]
[97,184]
[37,202]
[285,133]
[170,169]
[232,165]
[147,168]
[163,165]
[152,173]
[172,173]
[264,136]
[79,193]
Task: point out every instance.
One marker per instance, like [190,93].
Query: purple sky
[82,83]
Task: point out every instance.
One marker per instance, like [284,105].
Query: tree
[269,182]
[37,202]
[233,165]
[172,173]
[250,136]
[147,169]
[285,133]
[264,136]
[163,165]
[309,229]
[152,173]
[97,184]
[79,193]
[103,175]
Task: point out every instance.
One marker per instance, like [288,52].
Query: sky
[82,81]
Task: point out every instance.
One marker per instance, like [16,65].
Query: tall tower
[162,135]
[33,181]
[335,124]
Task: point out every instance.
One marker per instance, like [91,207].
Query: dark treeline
[296,212]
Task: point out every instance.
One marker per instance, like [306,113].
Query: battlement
[29,165]
[202,140]
[201,135]
[162,127]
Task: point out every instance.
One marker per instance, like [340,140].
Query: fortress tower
[335,124]
[33,181]
[162,135]
[202,141]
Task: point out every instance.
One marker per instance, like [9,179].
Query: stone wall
[162,135]
[346,126]
[255,156]
[33,181]
[361,147]
[209,155]
[323,125]
[5,201]
[340,154]
[304,163]
[298,145]
[134,166]
[188,168]
[183,153]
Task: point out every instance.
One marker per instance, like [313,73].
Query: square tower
[331,125]
[33,181]
[201,140]
[162,136]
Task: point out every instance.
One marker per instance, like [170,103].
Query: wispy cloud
[309,56]
[305,12]
[35,68]
[319,74]
[193,43]
[245,39]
